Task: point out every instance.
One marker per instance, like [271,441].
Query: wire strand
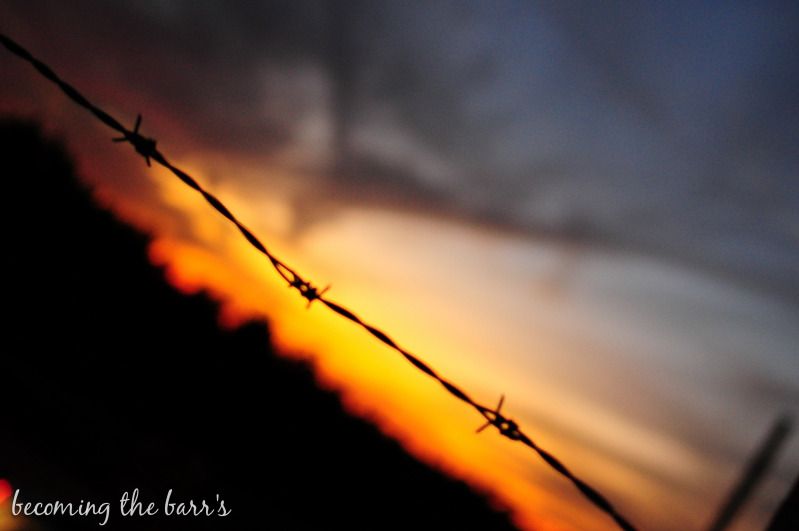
[146,147]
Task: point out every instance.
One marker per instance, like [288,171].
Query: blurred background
[591,209]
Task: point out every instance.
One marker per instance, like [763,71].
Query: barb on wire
[146,147]
[307,289]
[506,426]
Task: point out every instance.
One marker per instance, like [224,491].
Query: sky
[591,209]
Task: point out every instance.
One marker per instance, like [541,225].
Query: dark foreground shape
[787,517]
[112,381]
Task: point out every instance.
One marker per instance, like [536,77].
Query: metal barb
[144,146]
[307,290]
[506,426]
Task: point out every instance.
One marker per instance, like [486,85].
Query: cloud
[666,129]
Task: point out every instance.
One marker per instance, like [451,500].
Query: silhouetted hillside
[112,380]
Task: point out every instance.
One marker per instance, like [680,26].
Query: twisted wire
[147,148]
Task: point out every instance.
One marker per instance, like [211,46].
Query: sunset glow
[568,262]
[450,294]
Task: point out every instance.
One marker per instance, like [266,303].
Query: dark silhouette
[753,474]
[146,147]
[787,517]
[111,380]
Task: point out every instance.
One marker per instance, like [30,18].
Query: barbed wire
[147,148]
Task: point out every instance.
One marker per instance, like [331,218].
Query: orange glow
[625,374]
[5,490]
[375,382]
[8,522]
[473,304]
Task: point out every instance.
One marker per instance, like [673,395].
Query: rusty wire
[147,148]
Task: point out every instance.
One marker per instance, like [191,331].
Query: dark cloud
[667,128]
